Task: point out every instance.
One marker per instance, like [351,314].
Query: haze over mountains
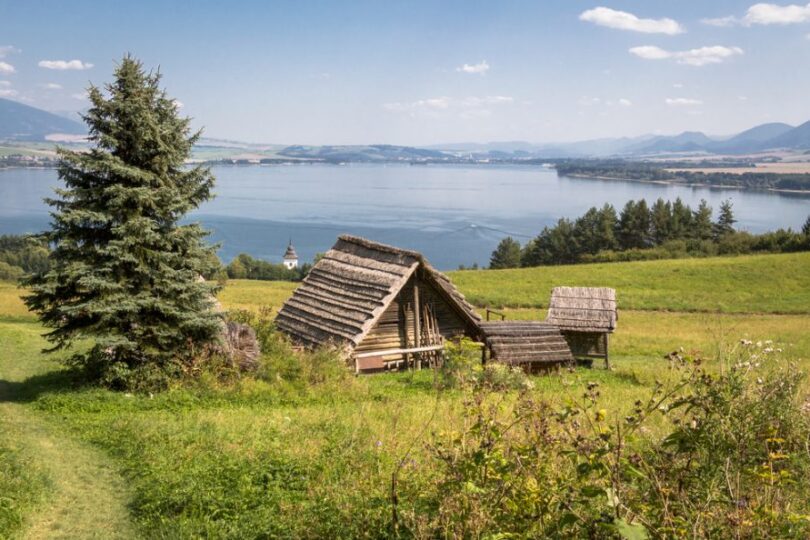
[20,122]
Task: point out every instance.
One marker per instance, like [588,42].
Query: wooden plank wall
[395,328]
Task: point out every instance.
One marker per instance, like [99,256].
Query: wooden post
[417,316]
[607,357]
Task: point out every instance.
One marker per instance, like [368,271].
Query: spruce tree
[123,271]
[506,255]
[702,221]
[725,221]
[806,227]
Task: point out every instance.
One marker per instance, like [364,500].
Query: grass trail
[85,496]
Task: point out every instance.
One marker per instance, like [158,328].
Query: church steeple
[290,257]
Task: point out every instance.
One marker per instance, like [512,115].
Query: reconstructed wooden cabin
[533,345]
[586,316]
[388,308]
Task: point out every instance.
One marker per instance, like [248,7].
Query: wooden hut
[386,307]
[533,345]
[586,316]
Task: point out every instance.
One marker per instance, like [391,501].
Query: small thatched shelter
[532,345]
[386,307]
[586,316]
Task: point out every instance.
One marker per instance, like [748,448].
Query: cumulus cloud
[622,20]
[6,68]
[682,102]
[5,83]
[776,14]
[478,69]
[51,86]
[765,14]
[624,102]
[7,92]
[64,64]
[693,57]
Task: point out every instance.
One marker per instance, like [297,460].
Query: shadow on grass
[33,387]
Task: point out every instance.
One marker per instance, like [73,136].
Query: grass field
[273,458]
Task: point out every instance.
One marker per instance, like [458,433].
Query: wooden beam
[417,320]
[387,352]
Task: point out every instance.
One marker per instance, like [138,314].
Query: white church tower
[290,257]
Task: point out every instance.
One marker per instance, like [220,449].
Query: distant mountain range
[19,122]
[762,138]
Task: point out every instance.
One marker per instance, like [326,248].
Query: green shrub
[732,462]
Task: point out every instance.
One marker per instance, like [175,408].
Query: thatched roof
[345,293]
[583,309]
[525,342]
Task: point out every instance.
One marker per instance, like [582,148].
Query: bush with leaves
[732,462]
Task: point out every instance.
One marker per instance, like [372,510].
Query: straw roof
[348,290]
[583,309]
[525,342]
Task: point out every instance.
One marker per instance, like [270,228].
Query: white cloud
[7,92]
[468,107]
[721,21]
[693,57]
[5,83]
[776,14]
[79,95]
[624,102]
[179,104]
[765,14]
[5,50]
[677,85]
[64,64]
[6,68]
[682,102]
[622,20]
[479,68]
[51,86]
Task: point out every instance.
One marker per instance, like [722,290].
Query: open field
[276,457]
[795,167]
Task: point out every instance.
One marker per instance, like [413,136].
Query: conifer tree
[806,227]
[725,220]
[702,221]
[123,271]
[506,255]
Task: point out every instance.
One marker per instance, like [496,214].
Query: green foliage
[731,463]
[664,231]
[20,255]
[243,266]
[123,271]
[806,227]
[506,255]
[461,367]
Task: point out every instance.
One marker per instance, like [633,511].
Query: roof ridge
[379,246]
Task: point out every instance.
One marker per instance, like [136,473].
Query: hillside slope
[745,284]
[23,123]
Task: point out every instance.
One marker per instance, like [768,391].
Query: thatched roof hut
[533,345]
[583,309]
[384,305]
[585,315]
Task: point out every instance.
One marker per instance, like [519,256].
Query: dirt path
[87,497]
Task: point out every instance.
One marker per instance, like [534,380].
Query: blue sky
[303,72]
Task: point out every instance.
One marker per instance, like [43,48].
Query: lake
[453,214]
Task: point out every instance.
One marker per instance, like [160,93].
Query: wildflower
[759,344]
[745,342]
[600,415]
[378,444]
[767,350]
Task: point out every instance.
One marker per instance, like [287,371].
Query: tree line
[641,231]
[659,172]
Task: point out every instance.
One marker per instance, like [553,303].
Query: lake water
[453,214]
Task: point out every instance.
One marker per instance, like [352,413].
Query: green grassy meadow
[272,457]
